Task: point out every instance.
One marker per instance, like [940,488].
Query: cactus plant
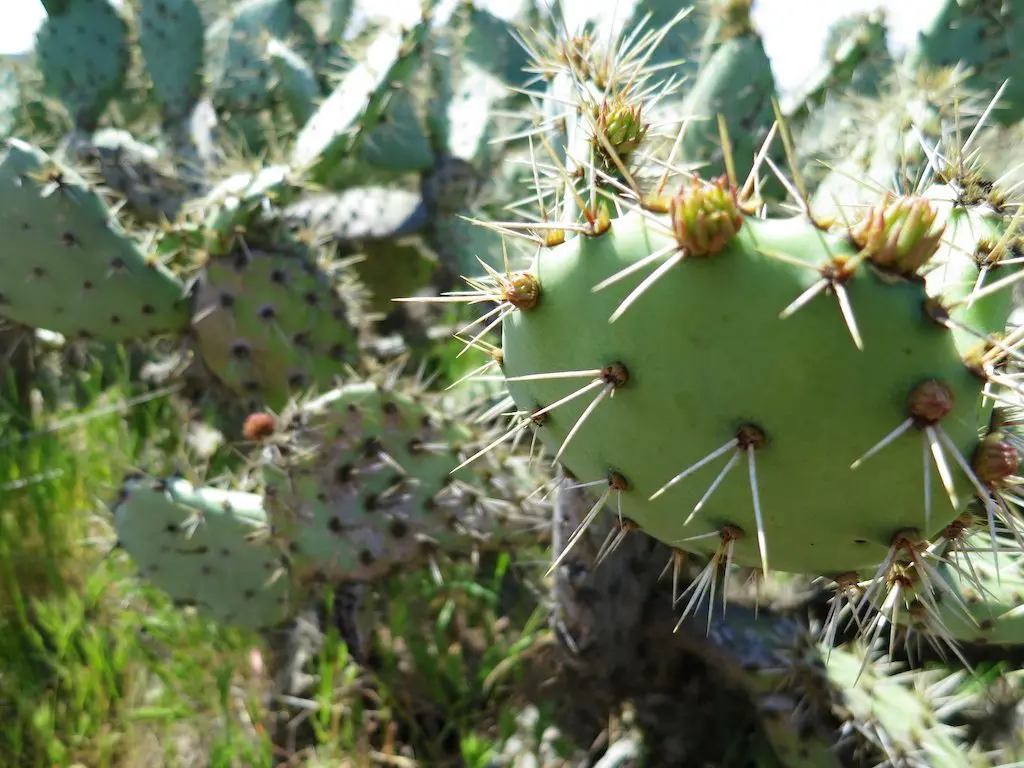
[208,548]
[826,393]
[359,481]
[87,278]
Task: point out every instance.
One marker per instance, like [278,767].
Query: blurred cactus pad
[530,384]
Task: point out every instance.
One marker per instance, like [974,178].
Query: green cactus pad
[982,37]
[399,143]
[171,35]
[463,120]
[359,101]
[857,58]
[360,480]
[241,202]
[973,242]
[296,81]
[737,83]
[67,266]
[83,56]
[239,69]
[490,43]
[681,46]
[706,357]
[871,141]
[270,323]
[981,599]
[896,714]
[207,547]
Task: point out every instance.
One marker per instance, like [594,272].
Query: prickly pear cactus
[269,322]
[68,266]
[83,53]
[717,281]
[208,548]
[361,481]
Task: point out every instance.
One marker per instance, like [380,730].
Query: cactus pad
[67,266]
[698,375]
[206,547]
[239,69]
[83,56]
[359,101]
[981,594]
[360,481]
[171,37]
[271,322]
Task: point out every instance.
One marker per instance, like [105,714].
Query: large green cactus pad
[706,357]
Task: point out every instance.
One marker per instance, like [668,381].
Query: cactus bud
[899,235]
[622,126]
[705,216]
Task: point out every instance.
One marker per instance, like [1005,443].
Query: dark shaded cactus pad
[360,481]
[272,322]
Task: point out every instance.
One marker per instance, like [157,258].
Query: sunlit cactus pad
[208,548]
[761,389]
[67,266]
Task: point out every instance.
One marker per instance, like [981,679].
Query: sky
[793,30]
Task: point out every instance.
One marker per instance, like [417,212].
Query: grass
[101,671]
